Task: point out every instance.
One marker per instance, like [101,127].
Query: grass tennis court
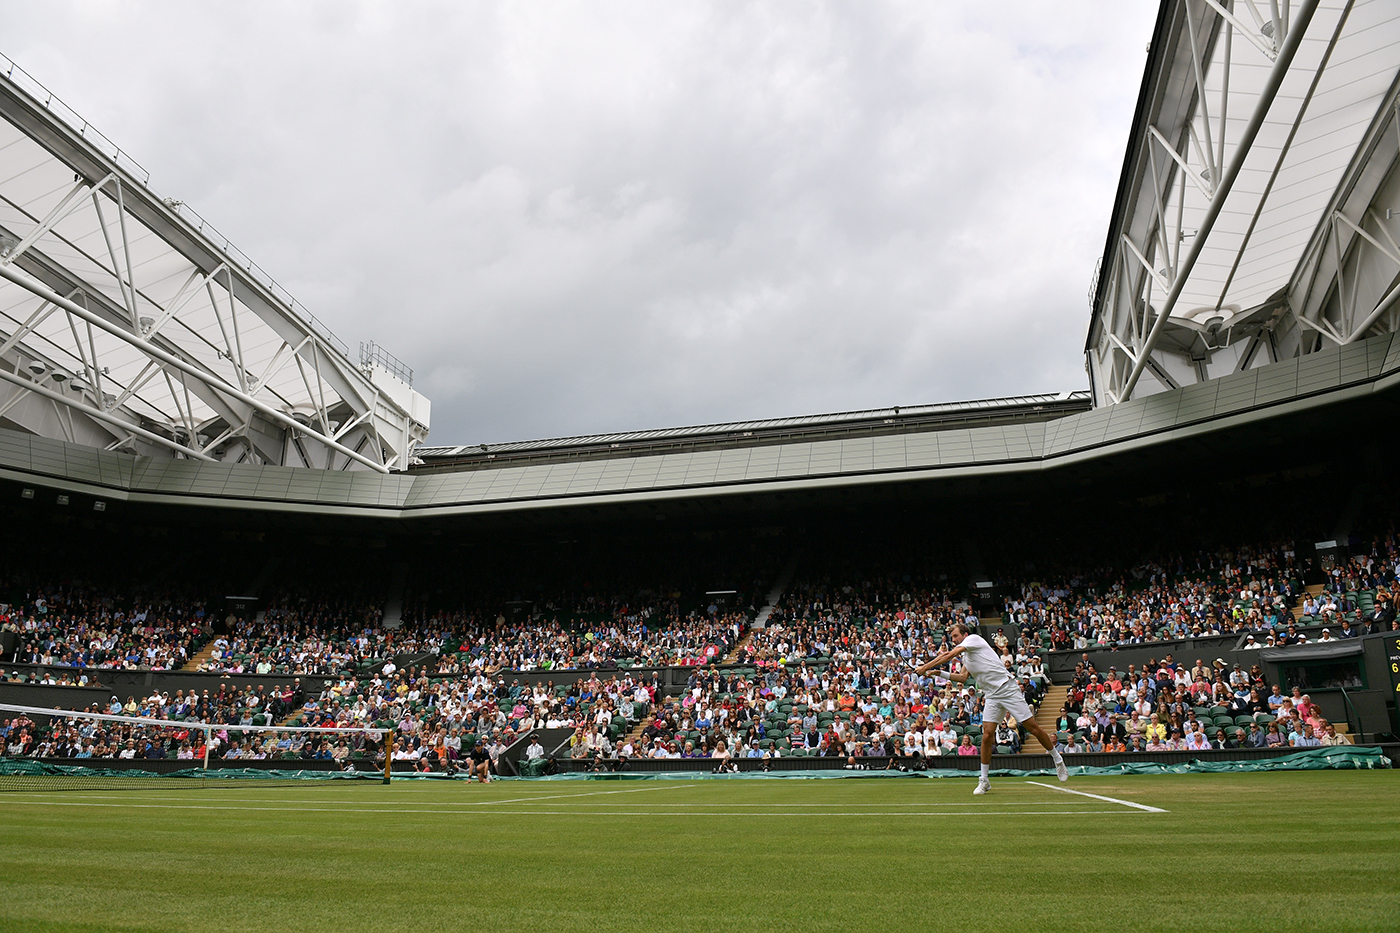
[1297,850]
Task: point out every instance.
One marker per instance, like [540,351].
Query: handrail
[1351,707]
[371,353]
[46,98]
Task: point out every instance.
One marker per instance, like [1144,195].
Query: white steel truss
[1257,214]
[127,322]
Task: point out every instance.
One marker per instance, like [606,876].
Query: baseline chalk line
[1126,803]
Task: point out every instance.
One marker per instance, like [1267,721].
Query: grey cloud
[570,218]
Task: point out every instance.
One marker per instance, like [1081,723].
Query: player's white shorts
[1003,700]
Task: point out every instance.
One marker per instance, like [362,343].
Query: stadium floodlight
[57,749]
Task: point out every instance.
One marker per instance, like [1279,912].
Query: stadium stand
[630,672]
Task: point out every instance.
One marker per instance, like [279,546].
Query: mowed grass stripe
[668,814]
[582,802]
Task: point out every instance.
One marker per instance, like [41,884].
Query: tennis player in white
[1000,691]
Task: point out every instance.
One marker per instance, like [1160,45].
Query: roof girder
[330,382]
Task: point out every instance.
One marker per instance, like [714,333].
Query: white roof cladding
[175,332]
[1252,130]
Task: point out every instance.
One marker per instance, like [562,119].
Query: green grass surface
[1290,851]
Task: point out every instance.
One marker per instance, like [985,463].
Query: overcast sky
[571,218]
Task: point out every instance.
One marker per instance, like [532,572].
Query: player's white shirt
[983,663]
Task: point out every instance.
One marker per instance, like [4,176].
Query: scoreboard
[1392,646]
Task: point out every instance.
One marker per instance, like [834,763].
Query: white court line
[849,804]
[446,803]
[522,812]
[1126,803]
[593,793]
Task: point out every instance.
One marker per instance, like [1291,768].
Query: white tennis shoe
[982,786]
[1061,771]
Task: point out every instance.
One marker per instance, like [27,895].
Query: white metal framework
[1258,213]
[127,322]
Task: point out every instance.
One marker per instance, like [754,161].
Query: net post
[388,754]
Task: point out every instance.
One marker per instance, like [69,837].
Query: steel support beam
[156,353]
[99,415]
[1298,28]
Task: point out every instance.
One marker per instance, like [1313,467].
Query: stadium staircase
[733,656]
[393,602]
[1047,713]
[636,734]
[291,719]
[761,620]
[204,654]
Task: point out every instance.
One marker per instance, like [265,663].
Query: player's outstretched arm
[939,661]
[945,673]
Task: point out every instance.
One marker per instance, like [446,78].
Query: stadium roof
[152,330]
[1176,419]
[1256,162]
[770,430]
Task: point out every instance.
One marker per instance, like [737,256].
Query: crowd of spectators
[165,731]
[828,674]
[84,627]
[307,636]
[81,630]
[848,708]
[1249,590]
[633,637]
[806,712]
[1169,706]
[439,721]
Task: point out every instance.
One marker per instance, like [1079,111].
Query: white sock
[1055,754]
[985,770]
